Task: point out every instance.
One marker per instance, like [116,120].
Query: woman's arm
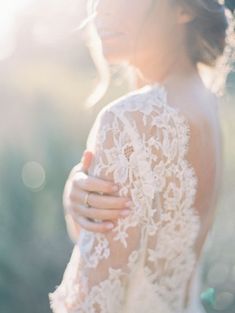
[99,272]
[107,207]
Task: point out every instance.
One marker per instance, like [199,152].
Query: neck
[172,73]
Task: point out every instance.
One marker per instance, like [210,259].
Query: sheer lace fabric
[146,261]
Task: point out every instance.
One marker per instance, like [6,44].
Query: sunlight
[8,11]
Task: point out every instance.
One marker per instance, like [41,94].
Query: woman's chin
[114,51]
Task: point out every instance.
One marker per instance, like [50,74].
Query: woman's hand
[104,204]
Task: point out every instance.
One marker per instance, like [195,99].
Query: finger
[94,184]
[99,214]
[106,202]
[94,226]
[86,160]
[102,201]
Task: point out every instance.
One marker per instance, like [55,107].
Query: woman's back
[200,107]
[205,151]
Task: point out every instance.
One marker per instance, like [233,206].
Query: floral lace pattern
[145,262]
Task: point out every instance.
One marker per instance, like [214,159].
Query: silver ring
[86,199]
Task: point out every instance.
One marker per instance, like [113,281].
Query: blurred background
[45,76]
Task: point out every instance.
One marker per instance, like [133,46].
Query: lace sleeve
[138,145]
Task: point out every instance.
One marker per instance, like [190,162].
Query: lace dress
[145,263]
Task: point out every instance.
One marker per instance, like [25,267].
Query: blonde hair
[213,56]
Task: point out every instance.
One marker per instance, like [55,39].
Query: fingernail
[129,204]
[115,188]
[109,226]
[125,212]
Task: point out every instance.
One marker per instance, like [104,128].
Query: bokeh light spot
[33,175]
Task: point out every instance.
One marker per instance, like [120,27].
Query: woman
[140,205]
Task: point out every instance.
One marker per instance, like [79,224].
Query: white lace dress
[143,264]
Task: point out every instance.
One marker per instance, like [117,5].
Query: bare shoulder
[135,105]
